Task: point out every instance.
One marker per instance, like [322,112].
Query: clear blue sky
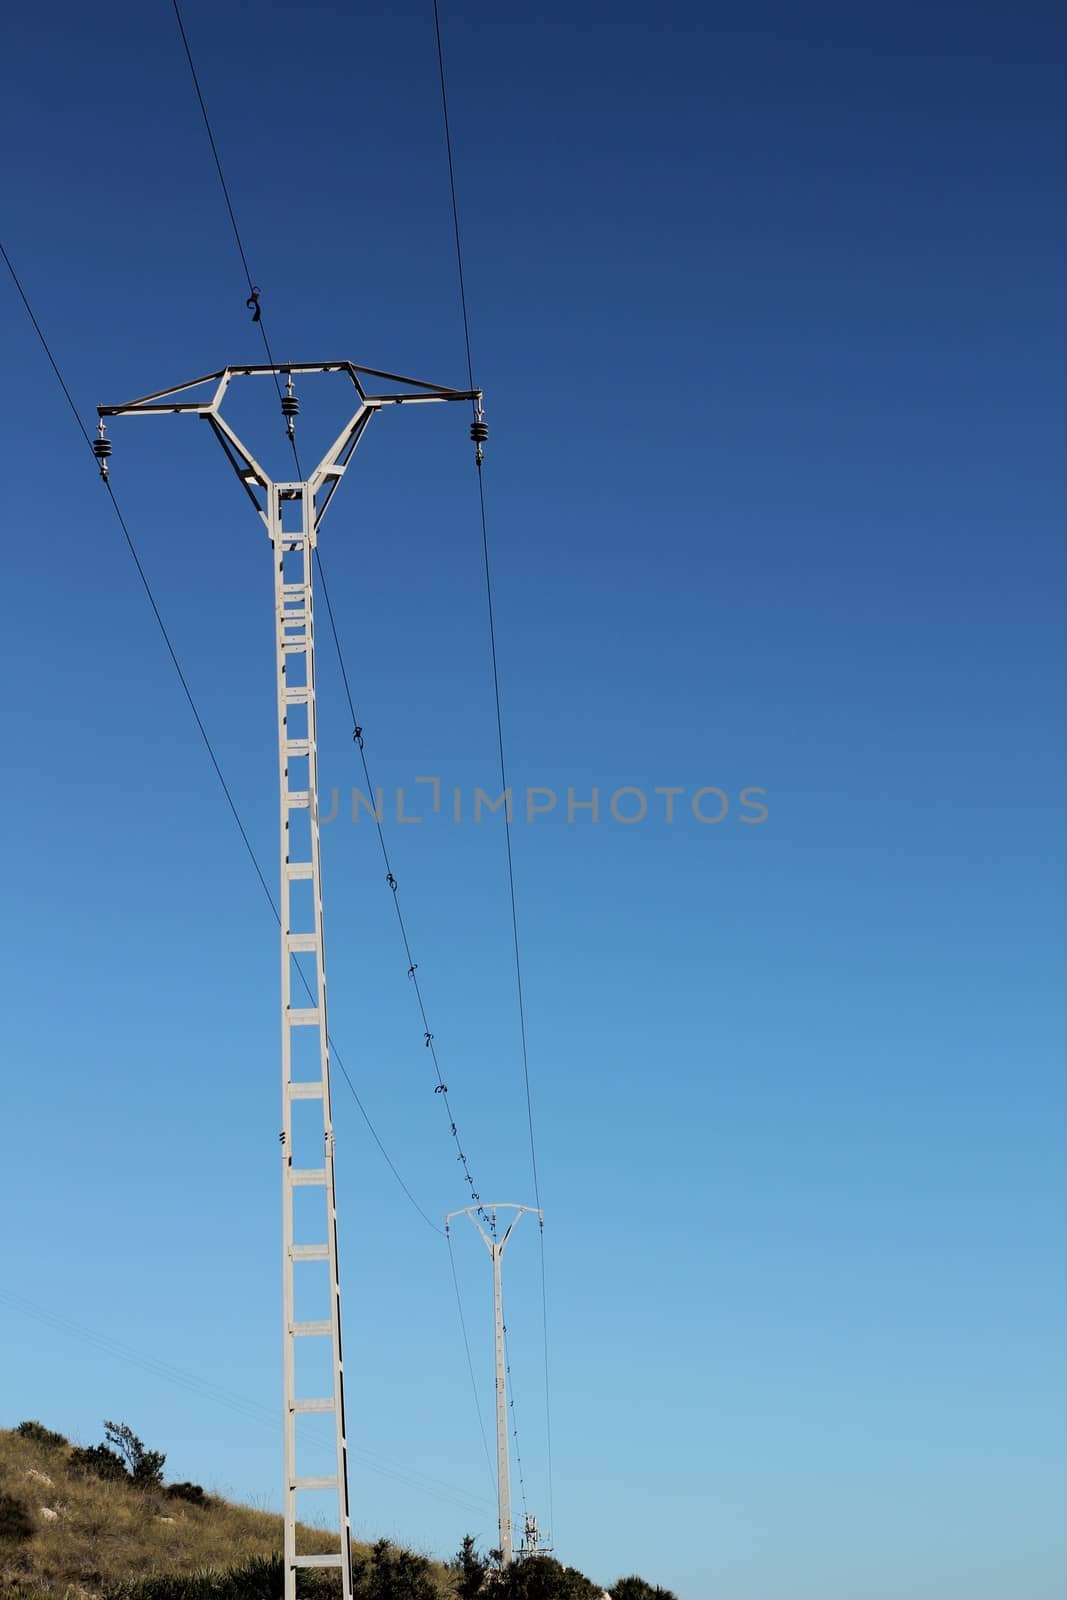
[766,305]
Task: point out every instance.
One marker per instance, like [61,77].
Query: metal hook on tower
[290,406]
[102,448]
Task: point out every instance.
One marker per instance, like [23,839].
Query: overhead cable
[500,739]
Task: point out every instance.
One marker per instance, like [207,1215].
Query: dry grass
[104,1533]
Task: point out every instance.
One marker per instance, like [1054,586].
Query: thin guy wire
[500,743]
[470,1363]
[197,717]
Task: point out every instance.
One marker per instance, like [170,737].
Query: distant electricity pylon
[495,1243]
[531,1538]
[307,1145]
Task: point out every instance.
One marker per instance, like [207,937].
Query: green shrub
[194,1493]
[542,1578]
[392,1574]
[37,1433]
[145,1467]
[631,1588]
[260,1579]
[97,1461]
[634,1588]
[15,1519]
[470,1569]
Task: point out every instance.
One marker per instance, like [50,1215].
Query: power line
[144,581]
[470,1363]
[507,842]
[171,651]
[515,1425]
[441,1088]
[253,290]
[455,202]
[214,150]
[500,739]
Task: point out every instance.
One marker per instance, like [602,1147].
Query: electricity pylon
[307,1145]
[495,1243]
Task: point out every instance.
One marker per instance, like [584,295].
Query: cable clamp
[253,304]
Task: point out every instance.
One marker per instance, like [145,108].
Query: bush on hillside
[260,1579]
[15,1519]
[37,1433]
[470,1569]
[145,1467]
[194,1493]
[634,1588]
[392,1574]
[97,1461]
[122,1458]
[385,1574]
[543,1578]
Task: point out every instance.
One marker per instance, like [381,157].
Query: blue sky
[766,307]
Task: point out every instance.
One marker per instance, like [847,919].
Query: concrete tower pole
[292,511]
[495,1243]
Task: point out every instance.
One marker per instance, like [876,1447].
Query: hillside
[100,1524]
[67,1535]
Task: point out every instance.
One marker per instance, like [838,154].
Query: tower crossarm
[169,402]
[183,399]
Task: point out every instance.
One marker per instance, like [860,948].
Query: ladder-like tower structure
[292,512]
[495,1242]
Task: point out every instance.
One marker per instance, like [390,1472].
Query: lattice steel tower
[292,513]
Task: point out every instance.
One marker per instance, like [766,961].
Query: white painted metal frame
[495,1243]
[306,1162]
